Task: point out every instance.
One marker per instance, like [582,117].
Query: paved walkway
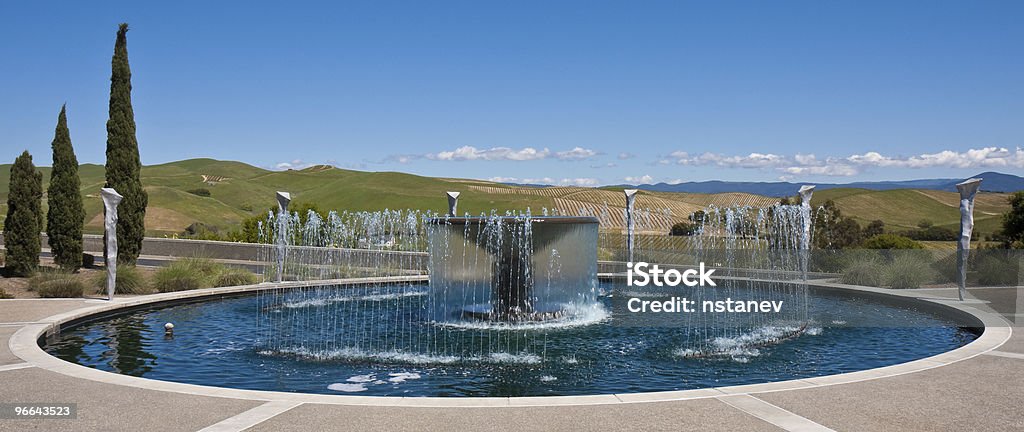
[985,392]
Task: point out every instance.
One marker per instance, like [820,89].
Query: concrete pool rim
[25,344]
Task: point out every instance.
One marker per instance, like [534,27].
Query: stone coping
[25,344]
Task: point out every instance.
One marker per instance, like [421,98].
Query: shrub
[88,260]
[994,268]
[906,271]
[4,295]
[44,275]
[683,229]
[194,273]
[944,267]
[932,233]
[864,271]
[65,286]
[234,277]
[129,281]
[177,277]
[890,241]
[203,192]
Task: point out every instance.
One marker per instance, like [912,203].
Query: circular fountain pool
[380,340]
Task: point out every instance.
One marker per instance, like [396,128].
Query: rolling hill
[238,190]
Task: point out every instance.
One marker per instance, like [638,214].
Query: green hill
[238,190]
[905,208]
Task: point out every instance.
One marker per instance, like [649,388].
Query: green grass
[902,209]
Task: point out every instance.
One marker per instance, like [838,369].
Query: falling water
[461,317]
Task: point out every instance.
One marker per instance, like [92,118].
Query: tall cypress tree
[123,162]
[65,216]
[24,217]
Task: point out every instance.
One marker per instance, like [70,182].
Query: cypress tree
[24,217]
[123,162]
[65,216]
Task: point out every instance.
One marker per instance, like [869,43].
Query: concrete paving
[979,390]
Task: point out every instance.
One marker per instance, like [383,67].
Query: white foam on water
[743,347]
[356,354]
[340,299]
[576,316]
[508,358]
[348,388]
[400,377]
[362,378]
[570,359]
[548,378]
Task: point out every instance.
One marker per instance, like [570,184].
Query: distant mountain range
[991,182]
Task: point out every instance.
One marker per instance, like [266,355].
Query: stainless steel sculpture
[453,202]
[110,201]
[968,189]
[630,198]
[283,199]
[806,192]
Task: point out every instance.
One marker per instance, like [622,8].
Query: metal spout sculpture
[806,192]
[968,189]
[453,203]
[110,201]
[630,198]
[283,199]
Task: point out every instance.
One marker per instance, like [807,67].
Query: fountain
[506,280]
[283,199]
[512,306]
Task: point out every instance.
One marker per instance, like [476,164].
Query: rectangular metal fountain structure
[511,268]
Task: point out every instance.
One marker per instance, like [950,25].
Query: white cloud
[577,153]
[809,164]
[987,157]
[806,159]
[468,153]
[752,160]
[295,164]
[644,179]
[503,179]
[587,182]
[471,153]
[824,170]
[401,158]
[626,155]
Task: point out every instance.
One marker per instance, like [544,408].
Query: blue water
[218,343]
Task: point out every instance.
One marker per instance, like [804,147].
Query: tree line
[65,216]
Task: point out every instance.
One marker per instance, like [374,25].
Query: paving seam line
[1005,354]
[251,417]
[16,366]
[773,414]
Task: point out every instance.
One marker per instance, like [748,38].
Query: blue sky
[575,92]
